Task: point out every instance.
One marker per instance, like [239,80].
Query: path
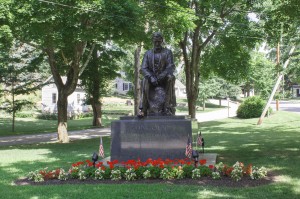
[219,114]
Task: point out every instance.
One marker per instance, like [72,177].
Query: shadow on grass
[63,155]
[24,126]
[274,145]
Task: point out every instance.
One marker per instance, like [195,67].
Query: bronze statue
[158,92]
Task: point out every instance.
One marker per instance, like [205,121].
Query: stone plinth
[151,137]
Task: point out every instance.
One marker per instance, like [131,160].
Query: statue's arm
[145,67]
[170,67]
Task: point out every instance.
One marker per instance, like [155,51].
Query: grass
[274,144]
[208,106]
[111,110]
[24,126]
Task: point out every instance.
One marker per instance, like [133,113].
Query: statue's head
[157,36]
[157,39]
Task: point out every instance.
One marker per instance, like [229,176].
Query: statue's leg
[145,97]
[173,102]
[170,96]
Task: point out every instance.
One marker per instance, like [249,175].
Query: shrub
[24,115]
[251,108]
[188,169]
[47,116]
[204,171]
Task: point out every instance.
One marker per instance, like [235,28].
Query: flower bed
[150,169]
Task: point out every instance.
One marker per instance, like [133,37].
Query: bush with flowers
[149,169]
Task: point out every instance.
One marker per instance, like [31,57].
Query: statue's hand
[170,77]
[153,81]
[160,77]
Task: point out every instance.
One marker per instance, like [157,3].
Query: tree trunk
[13,121]
[97,113]
[192,106]
[64,90]
[62,112]
[137,85]
[13,108]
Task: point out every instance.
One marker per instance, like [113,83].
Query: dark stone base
[151,137]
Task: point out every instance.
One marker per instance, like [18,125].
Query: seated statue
[158,91]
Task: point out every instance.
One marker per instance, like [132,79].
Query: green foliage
[251,108]
[90,172]
[25,115]
[47,116]
[19,77]
[205,171]
[261,75]
[188,170]
[140,172]
[219,88]
[229,59]
[154,171]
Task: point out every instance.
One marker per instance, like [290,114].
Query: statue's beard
[157,48]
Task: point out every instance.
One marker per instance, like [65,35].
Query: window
[78,98]
[53,98]
[125,87]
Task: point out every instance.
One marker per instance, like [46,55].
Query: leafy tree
[62,29]
[19,77]
[261,75]
[218,88]
[101,69]
[215,37]
[281,23]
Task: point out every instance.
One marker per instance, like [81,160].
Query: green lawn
[111,111]
[182,106]
[274,144]
[25,126]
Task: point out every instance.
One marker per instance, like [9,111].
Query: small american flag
[101,150]
[188,148]
[199,139]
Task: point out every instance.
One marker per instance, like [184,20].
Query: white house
[122,86]
[295,90]
[77,98]
[50,96]
[180,89]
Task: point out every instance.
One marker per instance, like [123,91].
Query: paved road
[97,132]
[290,106]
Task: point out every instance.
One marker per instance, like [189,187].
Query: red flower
[248,169]
[228,171]
[202,161]
[99,164]
[211,166]
[181,161]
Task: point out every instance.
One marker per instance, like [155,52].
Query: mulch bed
[203,181]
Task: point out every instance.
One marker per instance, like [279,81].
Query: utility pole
[275,88]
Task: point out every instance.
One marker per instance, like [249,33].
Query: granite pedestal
[151,137]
